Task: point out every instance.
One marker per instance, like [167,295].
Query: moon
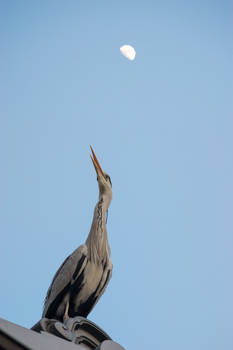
[128,51]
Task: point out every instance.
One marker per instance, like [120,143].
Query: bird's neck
[97,240]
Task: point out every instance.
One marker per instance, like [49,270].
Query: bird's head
[104,181]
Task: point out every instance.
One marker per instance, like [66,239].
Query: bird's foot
[66,316]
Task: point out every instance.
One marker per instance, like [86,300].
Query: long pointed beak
[96,163]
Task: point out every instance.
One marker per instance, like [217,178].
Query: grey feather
[64,275]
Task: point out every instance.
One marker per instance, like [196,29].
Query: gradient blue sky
[161,127]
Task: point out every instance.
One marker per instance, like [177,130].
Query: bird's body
[84,275]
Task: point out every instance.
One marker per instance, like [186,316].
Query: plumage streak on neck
[97,240]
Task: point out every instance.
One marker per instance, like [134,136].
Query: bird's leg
[66,316]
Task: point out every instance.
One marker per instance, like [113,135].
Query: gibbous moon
[128,51]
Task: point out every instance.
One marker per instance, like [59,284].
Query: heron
[84,275]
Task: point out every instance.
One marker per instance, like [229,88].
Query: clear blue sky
[161,127]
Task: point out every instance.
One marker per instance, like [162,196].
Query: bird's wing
[70,268]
